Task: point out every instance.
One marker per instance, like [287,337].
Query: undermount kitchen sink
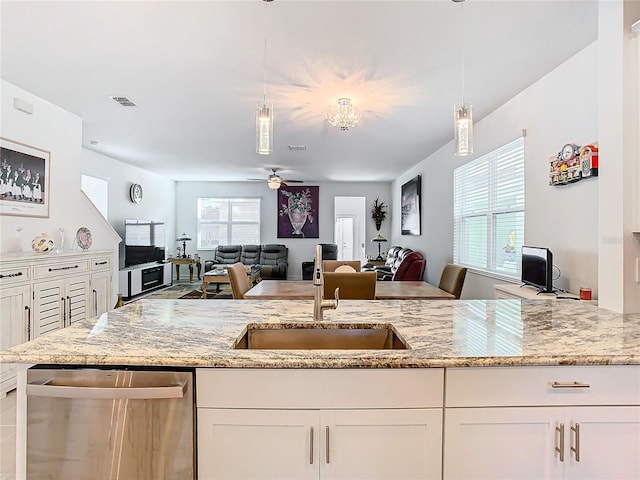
[326,336]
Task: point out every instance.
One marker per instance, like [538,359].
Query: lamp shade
[379,238]
[183,238]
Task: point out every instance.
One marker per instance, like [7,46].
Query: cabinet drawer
[531,386]
[100,264]
[14,275]
[68,267]
[316,388]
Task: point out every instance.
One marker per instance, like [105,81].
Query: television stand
[527,292]
[143,278]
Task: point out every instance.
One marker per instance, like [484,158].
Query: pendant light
[264,112]
[463,112]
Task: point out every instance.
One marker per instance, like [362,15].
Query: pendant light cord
[265,55]
[462,37]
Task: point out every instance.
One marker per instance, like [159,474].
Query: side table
[186,261]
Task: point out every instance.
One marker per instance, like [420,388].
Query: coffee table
[186,261]
[219,277]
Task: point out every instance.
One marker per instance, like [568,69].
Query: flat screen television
[143,242]
[537,268]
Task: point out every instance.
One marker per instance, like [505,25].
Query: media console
[139,279]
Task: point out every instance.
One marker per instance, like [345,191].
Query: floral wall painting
[298,212]
[24,180]
[410,207]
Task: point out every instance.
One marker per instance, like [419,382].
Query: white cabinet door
[15,328]
[607,440]
[503,443]
[257,444]
[59,303]
[100,294]
[385,444]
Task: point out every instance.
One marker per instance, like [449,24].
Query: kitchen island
[505,385]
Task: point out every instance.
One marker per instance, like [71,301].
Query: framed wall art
[410,207]
[298,212]
[24,180]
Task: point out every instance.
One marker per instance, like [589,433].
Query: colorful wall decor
[573,163]
[298,212]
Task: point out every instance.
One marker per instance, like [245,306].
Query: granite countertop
[440,333]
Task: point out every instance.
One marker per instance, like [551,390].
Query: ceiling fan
[274,181]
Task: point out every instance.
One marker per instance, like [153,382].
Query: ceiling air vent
[297,147]
[124,101]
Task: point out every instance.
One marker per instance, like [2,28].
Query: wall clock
[135,192]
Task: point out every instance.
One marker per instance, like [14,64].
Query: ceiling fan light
[463,127]
[264,128]
[273,184]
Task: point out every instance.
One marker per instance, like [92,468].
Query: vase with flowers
[298,208]
[378,213]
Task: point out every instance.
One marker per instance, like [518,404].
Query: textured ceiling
[196,69]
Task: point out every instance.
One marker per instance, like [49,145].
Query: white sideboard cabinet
[320,424]
[527,292]
[40,293]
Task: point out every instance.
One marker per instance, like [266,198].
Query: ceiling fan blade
[293,181]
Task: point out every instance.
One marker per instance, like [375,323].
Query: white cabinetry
[320,424]
[542,422]
[40,293]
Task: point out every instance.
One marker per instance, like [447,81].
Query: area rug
[197,295]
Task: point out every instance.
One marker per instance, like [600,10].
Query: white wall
[300,249]
[158,202]
[560,108]
[59,132]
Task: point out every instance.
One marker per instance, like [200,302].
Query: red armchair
[410,268]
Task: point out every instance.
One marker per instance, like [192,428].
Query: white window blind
[228,221]
[488,211]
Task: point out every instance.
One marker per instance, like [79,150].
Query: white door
[257,444]
[344,237]
[607,440]
[100,294]
[48,307]
[381,444]
[76,291]
[509,443]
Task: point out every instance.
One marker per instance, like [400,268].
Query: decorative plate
[83,237]
[136,193]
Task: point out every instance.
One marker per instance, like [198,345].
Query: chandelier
[343,115]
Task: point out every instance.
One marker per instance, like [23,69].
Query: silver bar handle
[64,312]
[63,268]
[570,385]
[28,322]
[7,275]
[560,445]
[576,450]
[311,445]
[95,301]
[108,393]
[69,304]
[327,444]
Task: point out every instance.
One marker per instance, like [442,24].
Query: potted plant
[378,213]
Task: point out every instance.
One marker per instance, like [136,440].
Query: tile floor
[8,437]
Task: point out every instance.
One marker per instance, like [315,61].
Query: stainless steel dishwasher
[110,424]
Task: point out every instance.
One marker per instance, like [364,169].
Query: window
[488,211]
[97,189]
[228,221]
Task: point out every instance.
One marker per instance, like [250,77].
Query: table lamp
[184,238]
[379,239]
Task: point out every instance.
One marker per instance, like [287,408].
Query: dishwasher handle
[46,389]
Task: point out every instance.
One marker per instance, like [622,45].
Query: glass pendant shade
[343,115]
[264,128]
[463,117]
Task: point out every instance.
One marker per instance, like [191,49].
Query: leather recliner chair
[329,252]
[411,267]
[274,261]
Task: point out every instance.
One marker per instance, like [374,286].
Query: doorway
[349,229]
